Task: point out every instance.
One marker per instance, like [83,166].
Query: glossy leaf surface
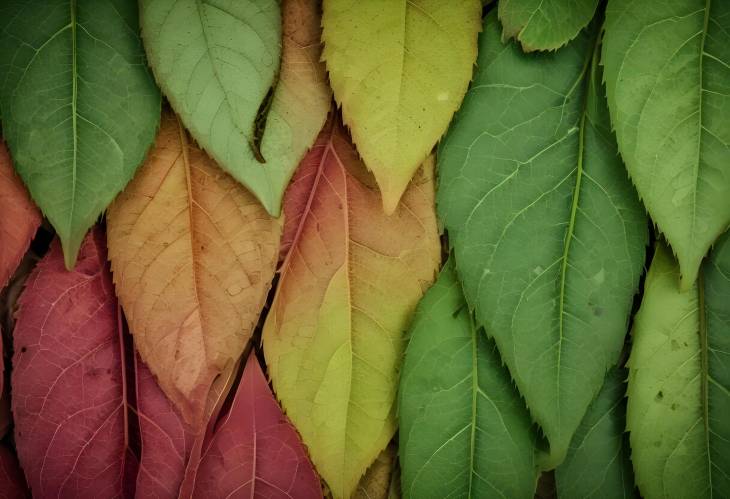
[464,430]
[333,338]
[399,69]
[80,108]
[548,234]
[667,68]
[193,255]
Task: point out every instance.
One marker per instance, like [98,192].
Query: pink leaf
[12,483]
[166,440]
[68,377]
[255,451]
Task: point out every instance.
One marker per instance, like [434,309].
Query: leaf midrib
[74,125]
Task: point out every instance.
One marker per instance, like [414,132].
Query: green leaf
[544,24]
[548,234]
[217,61]
[667,72]
[679,381]
[598,464]
[399,69]
[80,109]
[465,431]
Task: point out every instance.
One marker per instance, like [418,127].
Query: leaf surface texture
[193,255]
[333,338]
[80,108]
[667,72]
[465,432]
[399,69]
[12,482]
[380,480]
[679,381]
[216,61]
[549,236]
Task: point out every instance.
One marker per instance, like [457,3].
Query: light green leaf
[399,69]
[465,431]
[544,24]
[80,109]
[598,464]
[216,61]
[548,234]
[679,381]
[667,72]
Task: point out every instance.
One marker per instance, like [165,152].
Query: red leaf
[255,451]
[166,440]
[68,377]
[12,483]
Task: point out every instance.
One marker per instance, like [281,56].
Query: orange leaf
[352,277]
[193,254]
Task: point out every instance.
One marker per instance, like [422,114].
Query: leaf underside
[548,234]
[464,430]
[679,381]
[80,109]
[333,336]
[667,68]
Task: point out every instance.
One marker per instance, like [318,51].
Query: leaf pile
[364,249]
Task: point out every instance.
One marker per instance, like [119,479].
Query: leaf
[598,464]
[166,440]
[465,431]
[399,69]
[377,483]
[18,224]
[12,483]
[679,381]
[333,336]
[667,65]
[216,61]
[67,378]
[193,255]
[544,24]
[80,109]
[548,234]
[256,452]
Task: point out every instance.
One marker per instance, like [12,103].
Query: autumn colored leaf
[67,378]
[19,221]
[193,255]
[80,108]
[166,440]
[399,69]
[333,339]
[12,482]
[217,63]
[255,451]
[381,481]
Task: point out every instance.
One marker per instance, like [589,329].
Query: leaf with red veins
[68,377]
[12,483]
[255,451]
[19,221]
[166,440]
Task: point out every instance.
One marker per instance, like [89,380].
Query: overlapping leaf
[598,464]
[255,451]
[67,378]
[399,69]
[193,256]
[12,483]
[333,337]
[548,234]
[80,109]
[465,432]
[218,60]
[667,68]
[381,481]
[544,24]
[679,381]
